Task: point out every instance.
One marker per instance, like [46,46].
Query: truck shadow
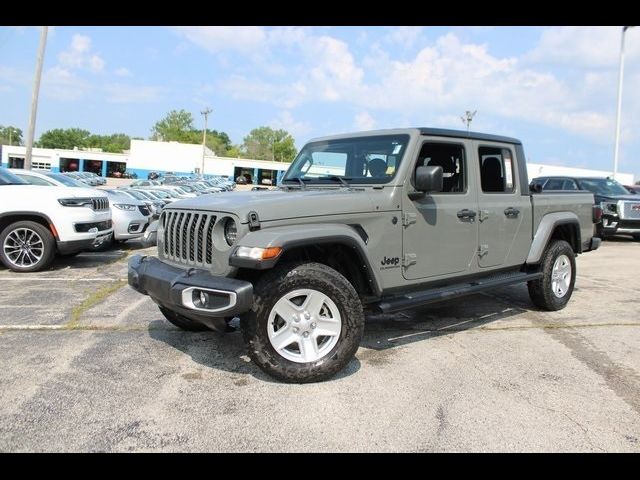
[382,332]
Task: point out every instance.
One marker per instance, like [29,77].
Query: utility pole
[619,113]
[206,113]
[468,117]
[10,132]
[34,97]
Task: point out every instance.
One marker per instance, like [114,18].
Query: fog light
[204,299]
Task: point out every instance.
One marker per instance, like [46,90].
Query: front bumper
[73,246]
[166,285]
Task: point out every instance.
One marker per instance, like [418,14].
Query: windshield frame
[403,139]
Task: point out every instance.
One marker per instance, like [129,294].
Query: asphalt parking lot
[90,365]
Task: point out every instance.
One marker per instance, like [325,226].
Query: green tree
[10,135]
[114,143]
[64,138]
[177,126]
[265,143]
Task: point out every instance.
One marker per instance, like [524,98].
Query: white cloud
[78,55]
[591,47]
[123,93]
[404,36]
[216,39]
[122,72]
[285,120]
[364,121]
[60,83]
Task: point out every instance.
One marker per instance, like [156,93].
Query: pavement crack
[96,297]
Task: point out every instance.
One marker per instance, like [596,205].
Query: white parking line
[33,327]
[123,314]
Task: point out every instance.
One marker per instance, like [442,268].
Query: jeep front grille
[187,237]
[100,203]
[630,210]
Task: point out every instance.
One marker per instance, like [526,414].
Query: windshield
[136,195]
[8,178]
[603,186]
[361,160]
[66,180]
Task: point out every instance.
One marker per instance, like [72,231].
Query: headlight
[230,231]
[125,206]
[75,202]
[609,207]
[258,253]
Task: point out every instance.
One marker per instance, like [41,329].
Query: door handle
[511,212]
[466,215]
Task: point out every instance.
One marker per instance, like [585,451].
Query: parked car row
[44,214]
[620,205]
[88,178]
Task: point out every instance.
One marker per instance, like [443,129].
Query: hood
[614,198]
[279,204]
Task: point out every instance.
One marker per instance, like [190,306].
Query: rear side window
[569,185]
[496,169]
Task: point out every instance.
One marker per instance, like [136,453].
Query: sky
[552,87]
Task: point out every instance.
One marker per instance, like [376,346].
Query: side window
[496,169]
[554,184]
[451,158]
[570,185]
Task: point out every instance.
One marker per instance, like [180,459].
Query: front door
[440,230]
[504,213]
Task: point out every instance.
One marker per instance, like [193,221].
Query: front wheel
[27,246]
[306,323]
[554,289]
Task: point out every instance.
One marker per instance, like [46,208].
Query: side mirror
[429,179]
[535,188]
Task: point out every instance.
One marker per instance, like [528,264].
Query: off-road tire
[183,323]
[48,241]
[277,283]
[540,291]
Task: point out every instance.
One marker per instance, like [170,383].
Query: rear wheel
[554,289]
[636,237]
[182,322]
[26,247]
[306,323]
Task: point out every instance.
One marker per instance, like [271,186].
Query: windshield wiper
[342,180]
[300,181]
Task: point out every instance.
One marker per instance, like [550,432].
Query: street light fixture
[619,112]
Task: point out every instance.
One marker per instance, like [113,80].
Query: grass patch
[93,299]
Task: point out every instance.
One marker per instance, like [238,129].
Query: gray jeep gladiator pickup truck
[378,221]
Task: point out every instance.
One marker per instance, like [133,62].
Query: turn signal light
[257,253]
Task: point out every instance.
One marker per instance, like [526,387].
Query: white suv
[37,222]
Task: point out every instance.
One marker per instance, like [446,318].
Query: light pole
[616,151]
[34,98]
[10,133]
[206,113]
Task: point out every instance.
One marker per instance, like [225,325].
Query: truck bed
[579,202]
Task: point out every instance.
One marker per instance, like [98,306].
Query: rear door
[504,208]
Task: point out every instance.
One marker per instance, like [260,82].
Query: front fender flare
[289,237]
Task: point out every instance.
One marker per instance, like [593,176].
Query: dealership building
[185,159]
[146,156]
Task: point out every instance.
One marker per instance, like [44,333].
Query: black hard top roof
[445,132]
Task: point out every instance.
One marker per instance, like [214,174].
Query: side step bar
[425,297]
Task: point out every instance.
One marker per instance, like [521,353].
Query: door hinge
[483,250]
[408,219]
[409,259]
[483,215]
